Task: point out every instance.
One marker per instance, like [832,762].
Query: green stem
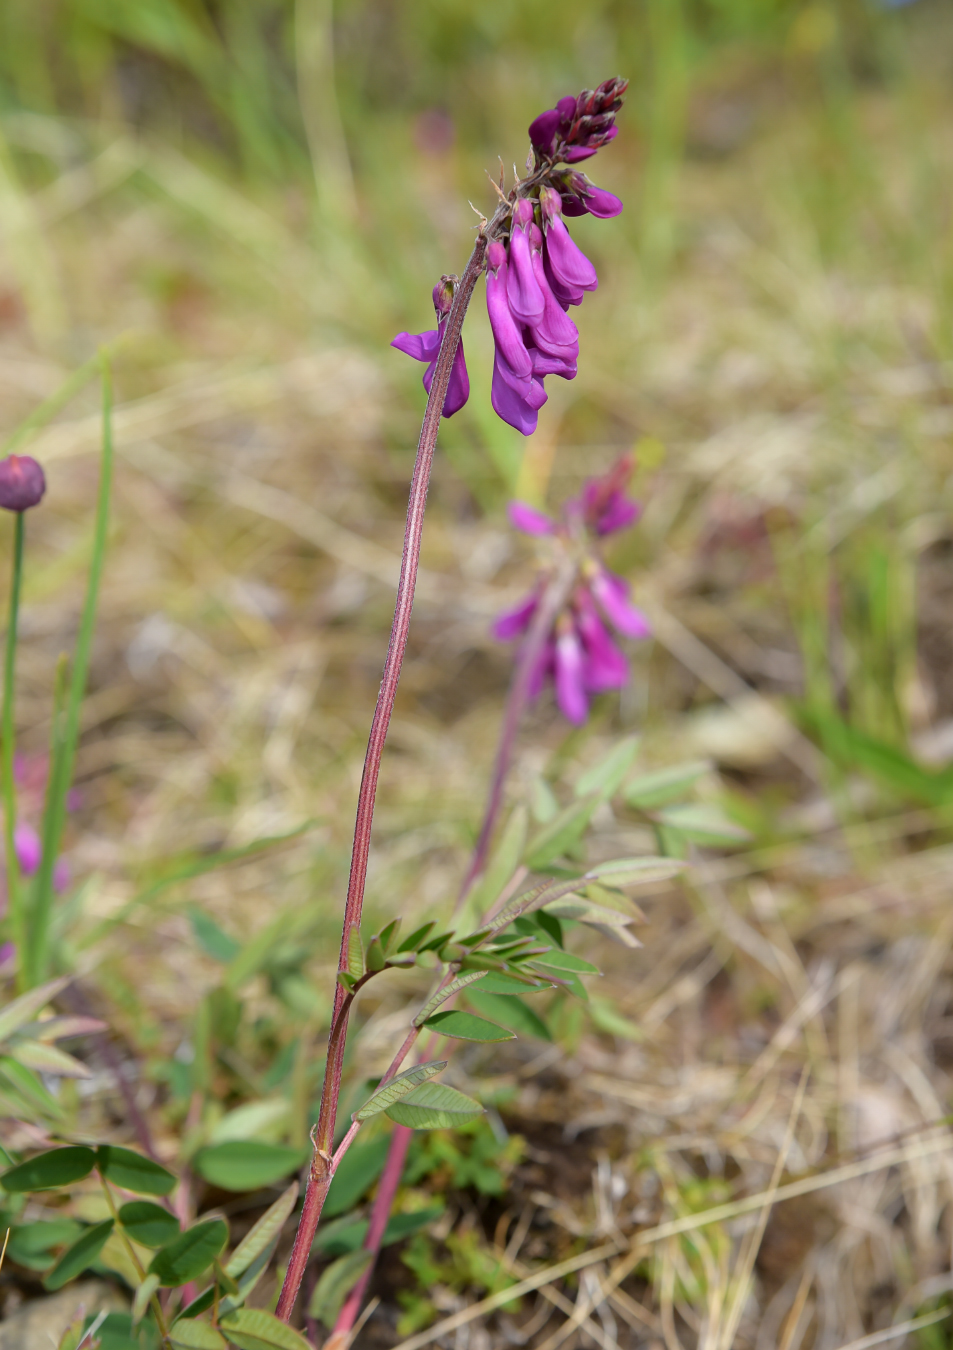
[14,893]
[66,729]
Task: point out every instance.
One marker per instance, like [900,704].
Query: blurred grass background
[259,195]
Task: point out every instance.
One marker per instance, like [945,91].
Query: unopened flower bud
[495,256]
[443,296]
[550,204]
[522,213]
[22,483]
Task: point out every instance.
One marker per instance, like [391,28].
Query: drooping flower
[22,482]
[426,347]
[580,654]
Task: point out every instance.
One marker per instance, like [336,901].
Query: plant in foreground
[509,938]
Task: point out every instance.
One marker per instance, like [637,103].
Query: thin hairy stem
[14,892]
[319,1179]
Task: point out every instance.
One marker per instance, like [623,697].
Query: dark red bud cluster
[22,483]
[577,127]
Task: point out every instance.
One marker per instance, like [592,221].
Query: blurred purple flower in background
[581,654]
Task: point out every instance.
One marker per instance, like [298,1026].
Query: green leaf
[529,901]
[249,1280]
[31,1244]
[23,1009]
[58,1167]
[545,805]
[398,1087]
[448,991]
[336,1283]
[264,1231]
[411,943]
[79,1257]
[133,1171]
[360,1167]
[355,952]
[704,823]
[255,1329]
[434,1106]
[567,961]
[43,1058]
[503,863]
[193,1251]
[432,943]
[192,1335]
[214,941]
[633,871]
[143,1298]
[561,833]
[26,1084]
[148,1224]
[199,1305]
[247,1164]
[577,907]
[375,954]
[606,776]
[388,936]
[650,790]
[498,983]
[511,1012]
[464,1026]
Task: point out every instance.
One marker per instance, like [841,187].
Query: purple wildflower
[22,483]
[581,654]
[426,347]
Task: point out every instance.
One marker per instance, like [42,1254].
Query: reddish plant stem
[319,1177]
[553,598]
[551,602]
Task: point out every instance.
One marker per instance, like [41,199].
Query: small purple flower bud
[594,200]
[443,297]
[542,132]
[567,261]
[566,107]
[515,621]
[530,521]
[22,483]
[29,849]
[570,694]
[522,290]
[550,205]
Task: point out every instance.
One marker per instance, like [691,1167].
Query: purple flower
[580,653]
[567,262]
[581,197]
[522,289]
[578,127]
[517,402]
[22,483]
[506,333]
[29,849]
[568,675]
[426,347]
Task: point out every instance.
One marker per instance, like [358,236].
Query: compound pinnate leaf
[188,1255]
[255,1329]
[78,1257]
[246,1164]
[398,1087]
[58,1167]
[448,991]
[189,1334]
[336,1283]
[262,1233]
[148,1224]
[463,1026]
[133,1171]
[435,1106]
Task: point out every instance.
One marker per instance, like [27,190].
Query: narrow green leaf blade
[336,1283]
[441,996]
[355,952]
[634,871]
[144,1295]
[262,1233]
[43,1058]
[23,1009]
[58,1167]
[704,823]
[464,1026]
[606,776]
[81,1255]
[190,1334]
[133,1171]
[186,1257]
[434,1106]
[411,943]
[256,1329]
[398,1087]
[656,789]
[148,1224]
